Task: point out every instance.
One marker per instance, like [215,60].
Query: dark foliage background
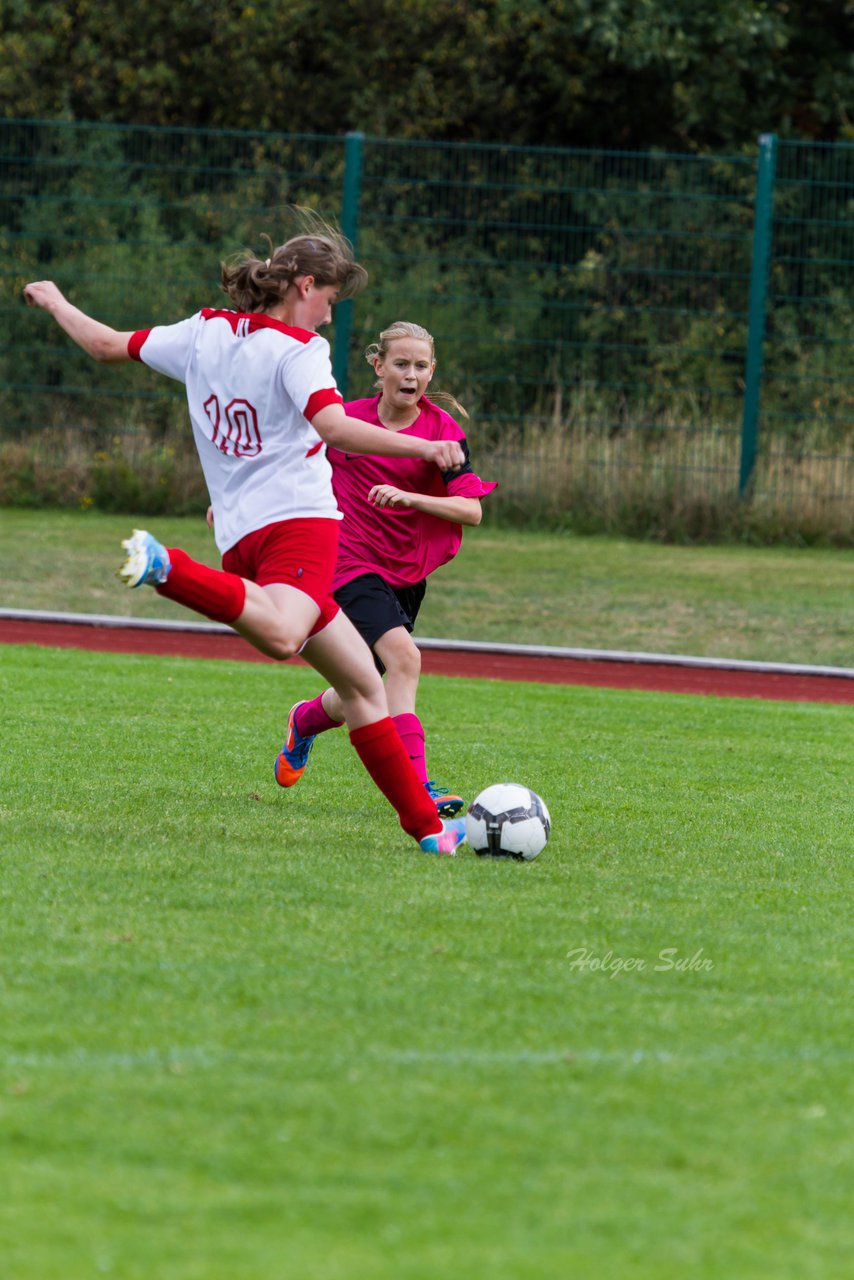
[690,75]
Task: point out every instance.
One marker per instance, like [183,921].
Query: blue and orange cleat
[293,757]
[445,841]
[447,803]
[147,560]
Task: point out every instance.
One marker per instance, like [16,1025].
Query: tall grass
[129,471]
[577,472]
[678,484]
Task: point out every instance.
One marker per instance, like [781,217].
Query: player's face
[316,306]
[406,371]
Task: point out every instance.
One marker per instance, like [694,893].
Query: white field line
[116,621]
[214,1057]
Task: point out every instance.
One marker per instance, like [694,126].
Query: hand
[42,293]
[209,517]
[386,495]
[446,454]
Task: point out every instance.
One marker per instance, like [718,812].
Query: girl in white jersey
[403,518]
[263,405]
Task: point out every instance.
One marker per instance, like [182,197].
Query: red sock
[411,732]
[213,592]
[384,756]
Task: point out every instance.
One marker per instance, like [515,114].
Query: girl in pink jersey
[263,405]
[403,518]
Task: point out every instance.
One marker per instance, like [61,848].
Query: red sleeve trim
[320,400]
[135,343]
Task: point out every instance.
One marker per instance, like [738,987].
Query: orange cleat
[293,757]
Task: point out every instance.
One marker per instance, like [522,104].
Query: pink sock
[311,718]
[411,732]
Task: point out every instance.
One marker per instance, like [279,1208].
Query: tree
[629,74]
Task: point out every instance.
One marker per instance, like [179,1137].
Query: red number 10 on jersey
[235,429]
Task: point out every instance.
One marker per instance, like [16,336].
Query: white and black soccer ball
[508,820]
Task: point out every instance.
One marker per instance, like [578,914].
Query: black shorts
[374,607]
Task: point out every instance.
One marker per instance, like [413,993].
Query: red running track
[607,674]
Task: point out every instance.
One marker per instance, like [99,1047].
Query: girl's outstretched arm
[335,428]
[97,340]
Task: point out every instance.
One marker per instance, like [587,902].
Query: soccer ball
[508,821]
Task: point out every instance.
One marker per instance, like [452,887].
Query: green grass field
[251,1034]
[767,604]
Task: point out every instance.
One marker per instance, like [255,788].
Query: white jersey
[253,386]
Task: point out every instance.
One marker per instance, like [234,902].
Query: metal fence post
[353,149]
[762,228]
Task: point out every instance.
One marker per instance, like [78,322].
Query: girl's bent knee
[282,648]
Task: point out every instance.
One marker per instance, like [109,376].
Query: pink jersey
[401,545]
[253,385]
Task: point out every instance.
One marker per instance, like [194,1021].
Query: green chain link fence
[649,343]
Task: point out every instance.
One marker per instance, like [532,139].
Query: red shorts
[298,553]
